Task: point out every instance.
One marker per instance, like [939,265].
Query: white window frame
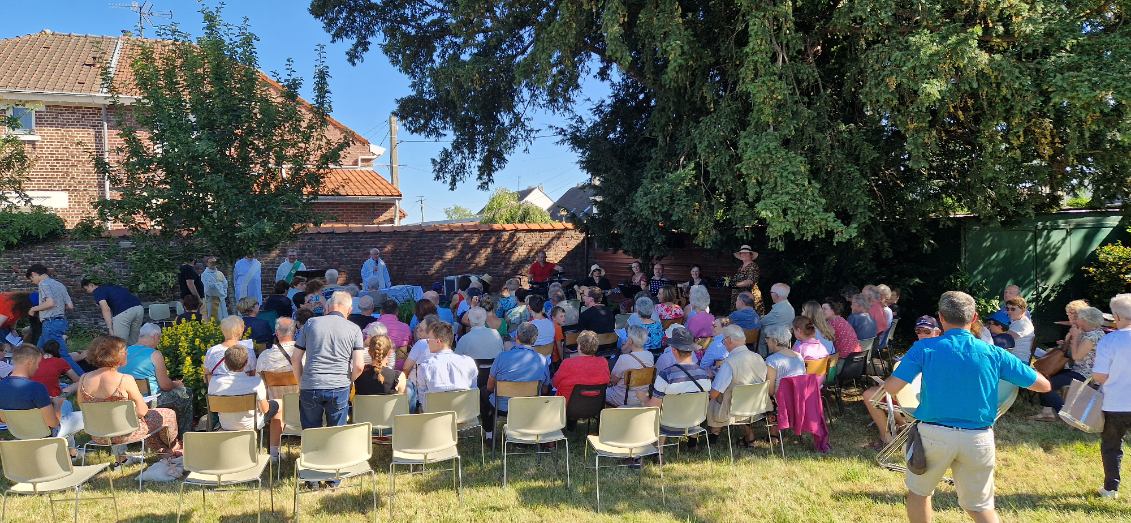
[22,130]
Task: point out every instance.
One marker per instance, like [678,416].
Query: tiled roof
[448,227]
[65,63]
[358,182]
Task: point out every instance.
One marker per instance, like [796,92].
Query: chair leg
[597,478]
[567,462]
[482,436]
[4,510]
[373,478]
[75,512]
[730,445]
[504,460]
[392,489]
[114,497]
[294,508]
[707,439]
[180,500]
[259,490]
[459,474]
[660,458]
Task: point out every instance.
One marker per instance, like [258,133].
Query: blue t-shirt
[519,364]
[118,298]
[19,393]
[746,318]
[960,378]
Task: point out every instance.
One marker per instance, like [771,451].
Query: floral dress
[669,311]
[749,272]
[160,422]
[1084,365]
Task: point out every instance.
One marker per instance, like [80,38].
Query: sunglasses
[1013,308]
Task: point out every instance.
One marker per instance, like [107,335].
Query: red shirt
[844,337]
[581,370]
[7,308]
[540,272]
[877,314]
[49,372]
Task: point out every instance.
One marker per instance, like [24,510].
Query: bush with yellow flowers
[183,346]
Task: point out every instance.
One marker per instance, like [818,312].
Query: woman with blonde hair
[825,334]
[233,329]
[379,377]
[1071,310]
[1082,352]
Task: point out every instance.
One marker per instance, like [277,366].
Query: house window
[24,119]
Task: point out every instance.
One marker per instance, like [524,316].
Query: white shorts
[970,454]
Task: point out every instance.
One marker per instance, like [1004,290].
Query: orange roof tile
[358,182]
[65,63]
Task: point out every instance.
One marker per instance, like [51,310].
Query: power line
[450,141]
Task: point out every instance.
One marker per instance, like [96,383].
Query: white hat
[595,267]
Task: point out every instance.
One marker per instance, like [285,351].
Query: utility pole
[394,169]
[420,200]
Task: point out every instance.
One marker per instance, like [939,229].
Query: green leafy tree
[458,212]
[504,207]
[773,121]
[14,164]
[214,149]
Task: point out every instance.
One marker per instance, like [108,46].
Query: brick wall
[357,212]
[415,255]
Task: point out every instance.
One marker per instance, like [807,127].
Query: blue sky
[363,95]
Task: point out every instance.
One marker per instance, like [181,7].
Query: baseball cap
[1000,317]
[679,338]
[926,322]
[474,291]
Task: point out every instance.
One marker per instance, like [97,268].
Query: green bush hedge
[1109,274]
[183,346]
[29,227]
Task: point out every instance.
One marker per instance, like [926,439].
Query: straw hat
[744,248]
[486,278]
[595,267]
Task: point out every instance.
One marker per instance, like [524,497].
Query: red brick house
[51,82]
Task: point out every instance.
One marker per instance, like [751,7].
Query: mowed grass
[1046,473]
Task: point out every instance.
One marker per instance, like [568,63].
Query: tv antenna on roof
[145,14]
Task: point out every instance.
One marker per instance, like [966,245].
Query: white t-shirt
[238,385]
[213,359]
[419,353]
[1026,334]
[1113,357]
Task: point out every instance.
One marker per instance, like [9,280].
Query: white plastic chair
[685,413]
[26,424]
[465,403]
[748,405]
[534,421]
[109,419]
[43,466]
[627,433]
[420,439]
[333,454]
[221,459]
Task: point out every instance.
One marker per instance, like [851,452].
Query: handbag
[1051,363]
[916,454]
[1083,407]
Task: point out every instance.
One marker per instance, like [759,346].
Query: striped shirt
[681,378]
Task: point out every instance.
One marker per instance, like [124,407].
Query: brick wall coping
[439,227]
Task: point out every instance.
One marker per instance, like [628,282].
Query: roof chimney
[48,31]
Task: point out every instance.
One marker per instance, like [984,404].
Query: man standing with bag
[1112,370]
[957,409]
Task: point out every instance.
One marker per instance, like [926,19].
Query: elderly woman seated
[1080,346]
[645,308]
[632,357]
[586,368]
[699,320]
[783,362]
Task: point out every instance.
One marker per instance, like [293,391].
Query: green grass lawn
[1046,472]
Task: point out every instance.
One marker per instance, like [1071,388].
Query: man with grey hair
[145,362]
[364,316]
[744,314]
[290,267]
[520,363]
[480,342]
[632,357]
[277,358]
[374,266]
[741,367]
[958,404]
[1112,370]
[781,313]
[334,356]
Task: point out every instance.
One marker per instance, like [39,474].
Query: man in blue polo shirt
[957,408]
[520,363]
[121,310]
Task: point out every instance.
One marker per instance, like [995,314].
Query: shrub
[29,227]
[88,229]
[405,311]
[1110,273]
[183,346]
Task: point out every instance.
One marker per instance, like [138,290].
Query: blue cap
[1000,317]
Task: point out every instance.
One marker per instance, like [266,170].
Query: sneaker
[1104,493]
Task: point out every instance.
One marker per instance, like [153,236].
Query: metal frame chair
[220,459]
[850,369]
[26,424]
[108,419]
[685,412]
[627,432]
[534,421]
[378,411]
[510,389]
[752,337]
[143,388]
[751,403]
[465,403]
[586,403]
[884,348]
[866,346]
[642,377]
[160,313]
[43,466]
[421,439]
[333,454]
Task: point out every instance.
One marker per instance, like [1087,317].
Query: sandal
[746,443]
[1043,417]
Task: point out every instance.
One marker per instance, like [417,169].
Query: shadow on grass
[947,500]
